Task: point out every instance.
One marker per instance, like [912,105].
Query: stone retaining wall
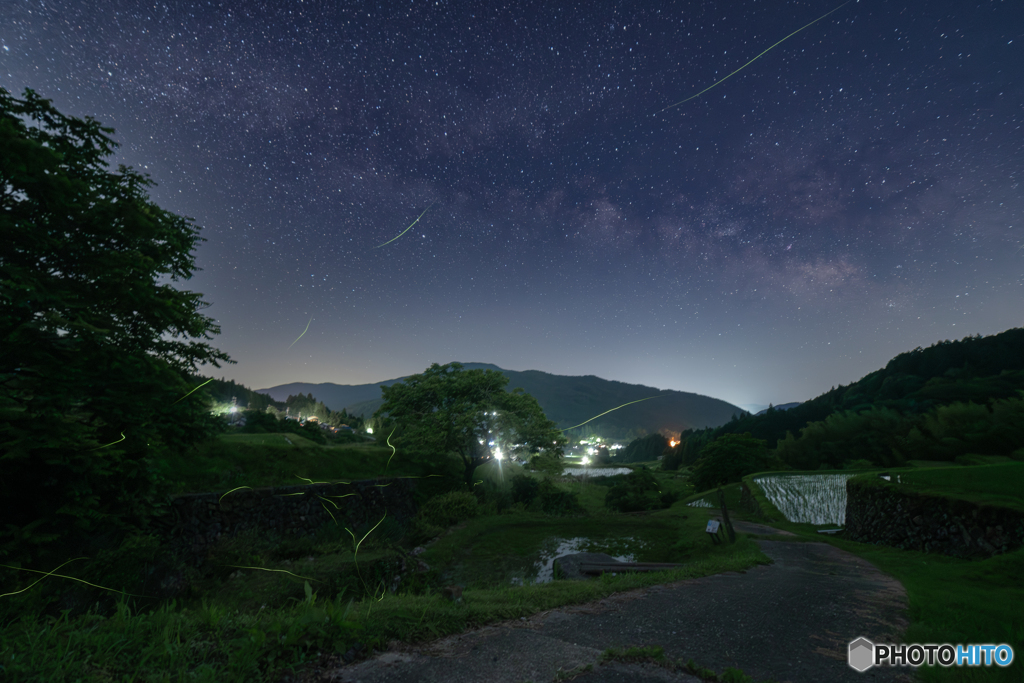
[885,514]
[197,520]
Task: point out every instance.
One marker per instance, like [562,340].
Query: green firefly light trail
[613,409]
[300,336]
[194,390]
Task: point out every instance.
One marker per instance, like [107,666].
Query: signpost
[712,530]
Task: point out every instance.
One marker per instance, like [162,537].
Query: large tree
[448,409]
[729,458]
[96,341]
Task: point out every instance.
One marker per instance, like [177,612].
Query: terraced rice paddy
[807,498]
[594,471]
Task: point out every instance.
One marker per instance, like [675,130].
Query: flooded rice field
[807,498]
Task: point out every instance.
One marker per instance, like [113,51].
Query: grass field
[257,460]
[1000,484]
[266,605]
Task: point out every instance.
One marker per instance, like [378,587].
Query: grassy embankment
[240,622]
[257,460]
[951,600]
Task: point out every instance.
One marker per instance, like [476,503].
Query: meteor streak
[407,229]
[754,59]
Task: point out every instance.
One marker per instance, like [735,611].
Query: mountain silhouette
[565,399]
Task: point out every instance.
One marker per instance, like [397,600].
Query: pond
[807,498]
[623,549]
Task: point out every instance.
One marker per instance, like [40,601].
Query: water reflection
[622,549]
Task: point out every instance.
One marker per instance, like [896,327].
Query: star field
[850,195]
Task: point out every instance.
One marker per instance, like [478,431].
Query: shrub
[858,465]
[494,496]
[420,531]
[638,490]
[555,501]
[547,463]
[449,508]
[524,489]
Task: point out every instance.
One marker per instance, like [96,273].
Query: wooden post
[725,516]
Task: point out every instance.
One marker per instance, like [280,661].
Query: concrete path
[789,622]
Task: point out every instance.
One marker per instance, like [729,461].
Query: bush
[524,489]
[449,508]
[494,496]
[858,465]
[637,491]
[555,501]
[547,464]
[420,531]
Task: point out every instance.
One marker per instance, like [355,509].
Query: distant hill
[974,369]
[566,400]
[781,406]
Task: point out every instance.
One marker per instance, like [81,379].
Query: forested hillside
[950,399]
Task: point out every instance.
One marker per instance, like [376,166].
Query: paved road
[790,622]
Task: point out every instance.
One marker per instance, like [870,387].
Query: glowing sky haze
[852,194]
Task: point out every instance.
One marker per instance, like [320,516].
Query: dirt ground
[790,621]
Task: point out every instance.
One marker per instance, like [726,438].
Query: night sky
[851,194]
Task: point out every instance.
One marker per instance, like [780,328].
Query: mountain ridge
[566,399]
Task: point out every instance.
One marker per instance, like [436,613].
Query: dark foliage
[639,490]
[644,449]
[555,501]
[223,391]
[97,345]
[730,458]
[447,409]
[524,489]
[975,369]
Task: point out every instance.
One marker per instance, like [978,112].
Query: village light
[369,430]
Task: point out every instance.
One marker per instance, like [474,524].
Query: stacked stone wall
[195,521]
[885,514]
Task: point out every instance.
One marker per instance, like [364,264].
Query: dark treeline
[952,399]
[303,407]
[224,391]
[299,406]
[646,448]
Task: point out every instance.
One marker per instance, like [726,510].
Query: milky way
[853,193]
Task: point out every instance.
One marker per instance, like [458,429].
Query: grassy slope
[999,484]
[257,460]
